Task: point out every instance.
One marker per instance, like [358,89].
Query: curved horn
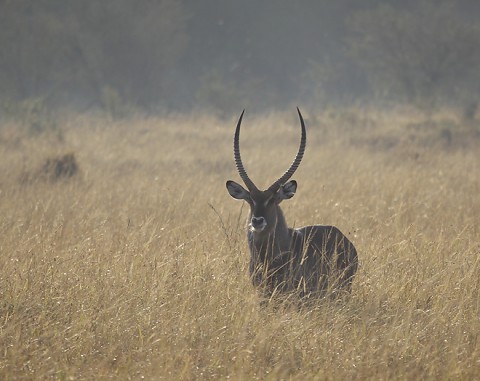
[303,141]
[238,160]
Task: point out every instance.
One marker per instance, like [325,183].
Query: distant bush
[33,114]
[425,55]
[55,168]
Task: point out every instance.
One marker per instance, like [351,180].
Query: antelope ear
[237,191]
[287,190]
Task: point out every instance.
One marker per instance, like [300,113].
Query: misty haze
[122,254]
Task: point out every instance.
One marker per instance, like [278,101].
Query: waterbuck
[308,261]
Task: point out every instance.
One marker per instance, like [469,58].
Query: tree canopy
[182,55]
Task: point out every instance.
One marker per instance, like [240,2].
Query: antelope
[307,261]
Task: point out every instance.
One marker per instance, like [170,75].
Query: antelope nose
[258,222]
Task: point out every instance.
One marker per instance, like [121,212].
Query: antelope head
[264,209]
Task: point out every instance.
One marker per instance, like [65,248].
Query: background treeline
[159,55]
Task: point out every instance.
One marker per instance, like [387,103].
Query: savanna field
[136,265]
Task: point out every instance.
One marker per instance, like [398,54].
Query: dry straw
[137,268]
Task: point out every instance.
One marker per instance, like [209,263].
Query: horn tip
[241,117]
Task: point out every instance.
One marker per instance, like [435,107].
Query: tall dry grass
[136,268]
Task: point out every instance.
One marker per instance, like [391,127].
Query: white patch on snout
[257,229]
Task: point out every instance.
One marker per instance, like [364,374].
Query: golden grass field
[137,267]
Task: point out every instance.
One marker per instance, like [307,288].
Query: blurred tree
[67,50]
[139,42]
[183,54]
[271,52]
[34,48]
[423,54]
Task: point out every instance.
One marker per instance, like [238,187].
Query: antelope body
[307,261]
